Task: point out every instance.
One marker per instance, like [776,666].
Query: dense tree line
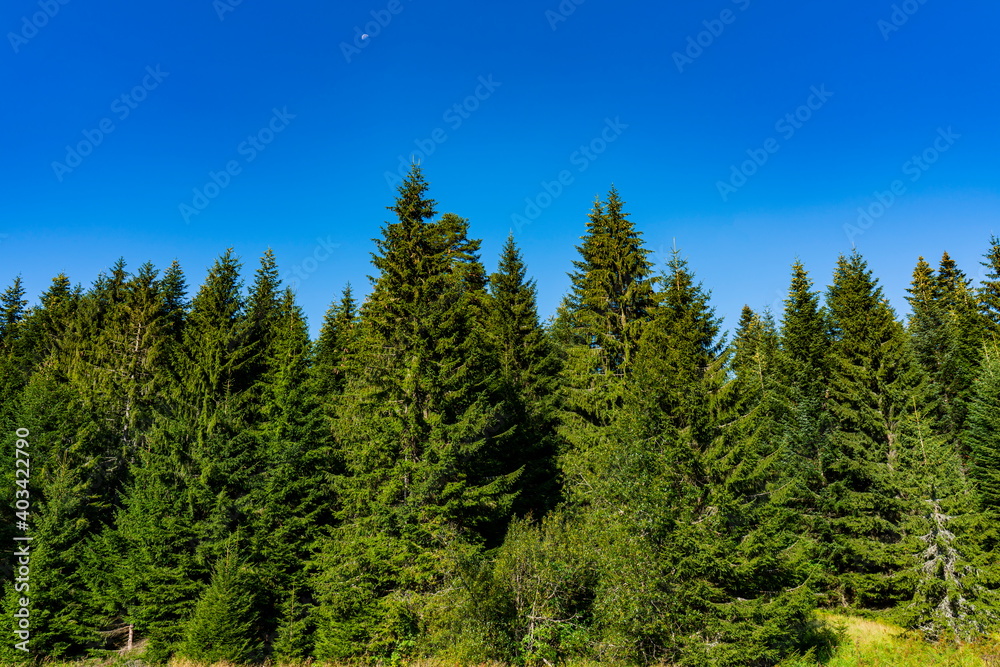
[440,473]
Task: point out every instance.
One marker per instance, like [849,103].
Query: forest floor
[870,643]
[865,643]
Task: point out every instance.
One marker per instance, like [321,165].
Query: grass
[865,643]
[869,643]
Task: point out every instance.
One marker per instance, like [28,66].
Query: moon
[364,36]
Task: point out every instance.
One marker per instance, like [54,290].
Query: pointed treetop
[923,288]
[411,206]
[12,307]
[220,294]
[264,294]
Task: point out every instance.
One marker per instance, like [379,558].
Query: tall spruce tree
[13,376]
[527,383]
[805,369]
[874,383]
[954,571]
[334,346]
[612,287]
[599,326]
[945,328]
[291,499]
[414,435]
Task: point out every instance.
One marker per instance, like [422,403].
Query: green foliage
[874,385]
[612,287]
[989,291]
[222,626]
[982,434]
[415,434]
[438,476]
[945,330]
[526,384]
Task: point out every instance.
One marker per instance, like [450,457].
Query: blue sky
[749,132]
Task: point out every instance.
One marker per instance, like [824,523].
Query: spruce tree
[223,624]
[945,330]
[955,570]
[875,382]
[989,292]
[13,376]
[599,325]
[334,346]
[414,435]
[527,382]
[173,289]
[805,368]
[982,433]
[612,287]
[291,498]
[679,500]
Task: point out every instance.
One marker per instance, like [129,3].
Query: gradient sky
[683,94]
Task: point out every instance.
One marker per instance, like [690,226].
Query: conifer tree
[334,346]
[62,622]
[955,571]
[291,499]
[982,433]
[414,436]
[223,624]
[173,288]
[678,500]
[13,376]
[193,479]
[805,369]
[528,381]
[262,313]
[599,325]
[945,329]
[160,574]
[37,399]
[753,410]
[216,399]
[612,287]
[12,310]
[989,291]
[875,382]
[45,325]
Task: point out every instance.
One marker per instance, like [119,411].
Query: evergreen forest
[443,474]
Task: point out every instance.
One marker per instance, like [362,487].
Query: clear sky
[749,132]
